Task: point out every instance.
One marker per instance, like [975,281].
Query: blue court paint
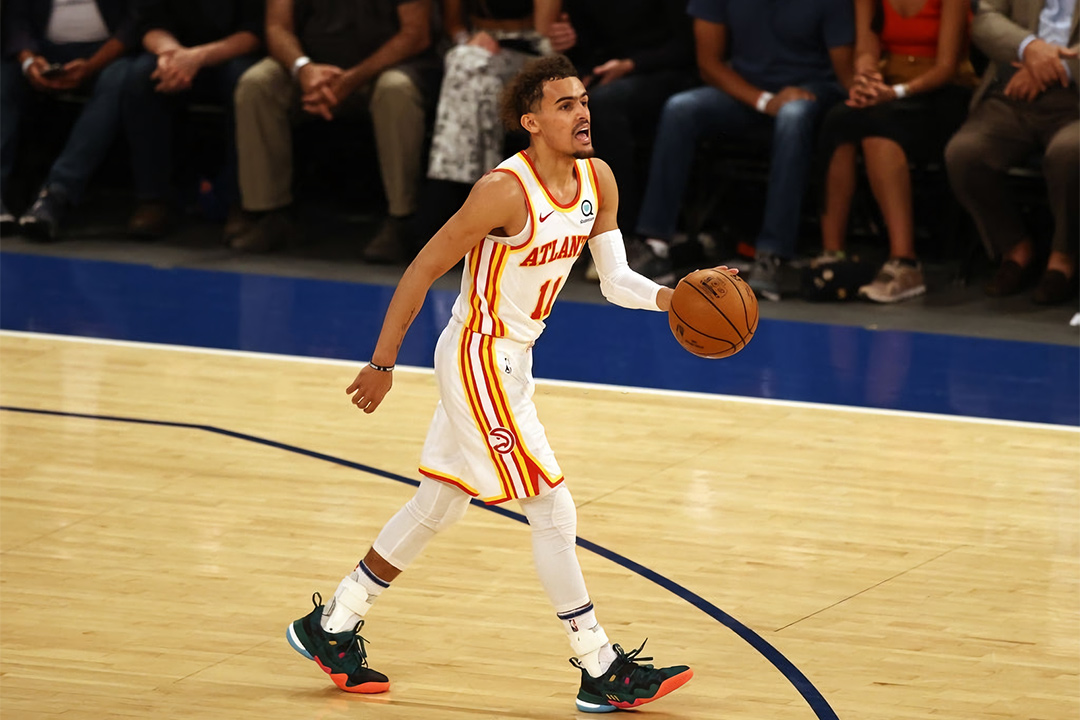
[799,681]
[584,342]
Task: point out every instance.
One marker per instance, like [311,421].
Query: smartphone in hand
[53,70]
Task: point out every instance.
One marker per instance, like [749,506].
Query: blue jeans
[148,119]
[707,112]
[92,136]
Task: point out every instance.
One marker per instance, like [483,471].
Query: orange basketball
[713,314]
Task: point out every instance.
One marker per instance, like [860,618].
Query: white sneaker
[895,282]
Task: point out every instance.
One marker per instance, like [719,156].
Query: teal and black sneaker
[342,656]
[627,683]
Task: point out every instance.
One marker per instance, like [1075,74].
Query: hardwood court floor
[911,567]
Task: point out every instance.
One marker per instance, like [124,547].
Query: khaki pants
[1001,133]
[267,107]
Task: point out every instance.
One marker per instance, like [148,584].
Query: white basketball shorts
[485,437]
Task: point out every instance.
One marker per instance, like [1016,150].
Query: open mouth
[582,133]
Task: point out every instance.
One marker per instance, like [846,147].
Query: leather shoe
[1009,279]
[273,229]
[150,220]
[1054,288]
[237,223]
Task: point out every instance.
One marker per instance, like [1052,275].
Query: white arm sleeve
[619,284]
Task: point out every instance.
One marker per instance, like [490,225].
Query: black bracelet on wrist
[381,368]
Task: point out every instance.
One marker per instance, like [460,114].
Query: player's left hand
[369,388]
[728,270]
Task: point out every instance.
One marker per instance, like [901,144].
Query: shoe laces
[624,664]
[356,640]
[632,657]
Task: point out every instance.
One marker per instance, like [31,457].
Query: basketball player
[520,231]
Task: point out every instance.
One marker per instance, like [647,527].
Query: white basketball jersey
[510,283]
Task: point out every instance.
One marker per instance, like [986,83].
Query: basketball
[713,314]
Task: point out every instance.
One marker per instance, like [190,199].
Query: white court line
[557,383]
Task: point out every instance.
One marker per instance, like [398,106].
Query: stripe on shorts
[531,468]
[448,479]
[480,416]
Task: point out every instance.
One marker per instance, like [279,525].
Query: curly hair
[525,90]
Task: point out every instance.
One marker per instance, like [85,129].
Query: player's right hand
[369,388]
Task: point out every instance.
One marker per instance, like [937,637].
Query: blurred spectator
[196,51]
[633,55]
[1027,104]
[780,76]
[331,59]
[912,86]
[66,46]
[9,73]
[492,40]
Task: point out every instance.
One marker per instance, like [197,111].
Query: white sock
[588,640]
[598,661]
[352,599]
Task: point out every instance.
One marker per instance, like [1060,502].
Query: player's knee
[553,513]
[437,505]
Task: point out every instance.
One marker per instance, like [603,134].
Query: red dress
[916,35]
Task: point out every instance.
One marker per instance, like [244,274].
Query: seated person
[785,58]
[912,87]
[492,40]
[1027,103]
[633,56]
[329,60]
[77,45]
[196,50]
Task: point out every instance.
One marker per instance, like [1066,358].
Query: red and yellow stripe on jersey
[509,284]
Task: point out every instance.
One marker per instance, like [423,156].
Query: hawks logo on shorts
[502,440]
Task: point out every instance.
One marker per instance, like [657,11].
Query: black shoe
[270,231]
[342,656]
[151,219]
[1010,279]
[1054,288]
[390,244]
[8,222]
[627,683]
[42,221]
[238,222]
[644,260]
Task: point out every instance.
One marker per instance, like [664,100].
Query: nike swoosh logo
[545,217]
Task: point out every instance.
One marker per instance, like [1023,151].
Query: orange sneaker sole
[668,686]
[368,688]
